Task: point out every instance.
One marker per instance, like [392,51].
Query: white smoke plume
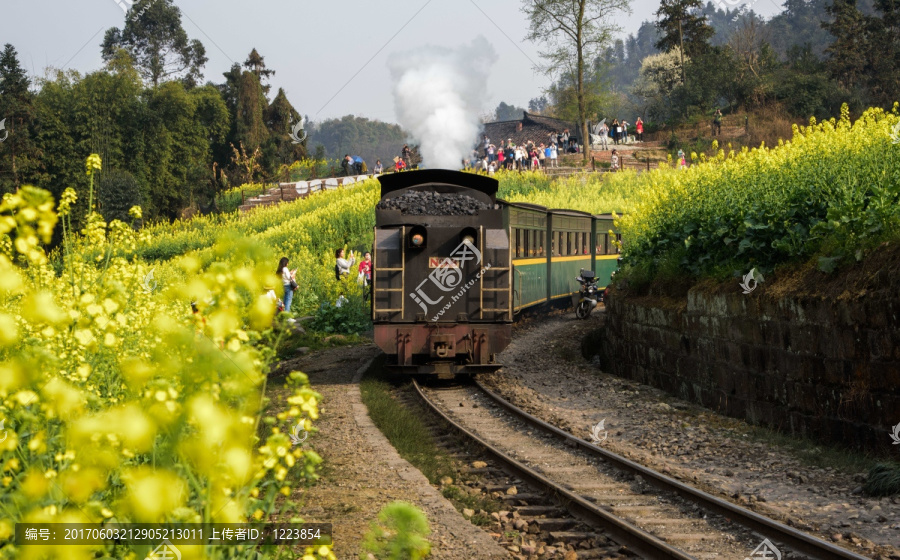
[438,95]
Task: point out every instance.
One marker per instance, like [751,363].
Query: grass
[405,429]
[883,480]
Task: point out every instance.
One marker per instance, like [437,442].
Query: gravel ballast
[545,375]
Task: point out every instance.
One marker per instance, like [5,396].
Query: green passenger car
[550,247]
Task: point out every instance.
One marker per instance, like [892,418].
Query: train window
[531,233]
[525,244]
[577,243]
[584,243]
[518,242]
[541,242]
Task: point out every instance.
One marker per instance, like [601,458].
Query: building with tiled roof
[536,128]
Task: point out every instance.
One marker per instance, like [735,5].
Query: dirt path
[362,472]
[545,374]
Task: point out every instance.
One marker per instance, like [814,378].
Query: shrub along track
[653,515]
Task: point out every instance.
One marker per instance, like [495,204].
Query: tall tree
[884,52]
[281,117]
[682,24]
[538,104]
[19,156]
[506,112]
[575,33]
[256,63]
[847,56]
[157,42]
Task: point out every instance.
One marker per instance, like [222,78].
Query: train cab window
[570,243]
[531,245]
[541,242]
[518,242]
[584,243]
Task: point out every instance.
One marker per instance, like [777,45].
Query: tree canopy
[158,44]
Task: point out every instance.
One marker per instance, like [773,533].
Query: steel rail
[771,529]
[619,530]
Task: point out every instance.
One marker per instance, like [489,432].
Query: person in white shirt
[342,266]
[554,154]
[288,278]
[604,136]
[379,169]
[341,300]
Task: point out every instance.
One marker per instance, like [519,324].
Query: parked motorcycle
[589,295]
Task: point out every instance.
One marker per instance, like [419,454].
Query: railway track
[650,514]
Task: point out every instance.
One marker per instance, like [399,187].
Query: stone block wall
[824,368]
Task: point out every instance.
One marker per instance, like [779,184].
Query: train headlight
[468,236]
[417,237]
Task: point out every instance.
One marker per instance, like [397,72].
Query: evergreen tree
[250,113]
[800,24]
[847,55]
[19,155]
[538,105]
[506,112]
[157,42]
[281,117]
[884,52]
[256,64]
[683,21]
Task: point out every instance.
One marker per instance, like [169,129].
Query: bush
[118,192]
[400,535]
[351,317]
[831,191]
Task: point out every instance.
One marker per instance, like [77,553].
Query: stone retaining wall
[825,369]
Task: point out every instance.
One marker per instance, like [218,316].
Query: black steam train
[452,264]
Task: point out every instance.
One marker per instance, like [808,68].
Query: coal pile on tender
[428,203]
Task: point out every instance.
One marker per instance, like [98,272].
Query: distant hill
[358,136]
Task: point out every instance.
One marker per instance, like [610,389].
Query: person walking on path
[289,280]
[717,122]
[604,135]
[639,129]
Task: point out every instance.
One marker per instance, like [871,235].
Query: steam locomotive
[453,265]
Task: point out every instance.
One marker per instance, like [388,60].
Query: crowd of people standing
[618,132]
[528,156]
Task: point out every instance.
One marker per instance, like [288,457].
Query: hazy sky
[314,46]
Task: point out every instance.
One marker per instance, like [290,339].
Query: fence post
[648,163]
[242,197]
[593,164]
